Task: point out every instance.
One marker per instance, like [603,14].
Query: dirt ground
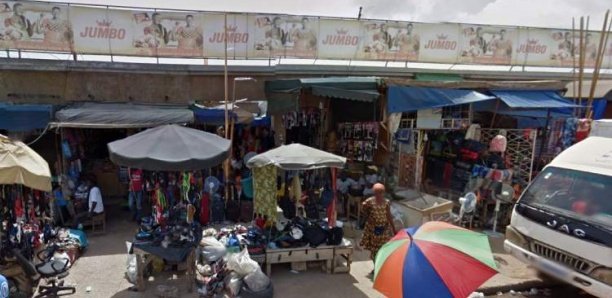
[100,272]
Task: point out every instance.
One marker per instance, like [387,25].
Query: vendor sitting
[95,204]
[369,180]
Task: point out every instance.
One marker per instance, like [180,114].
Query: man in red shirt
[135,194]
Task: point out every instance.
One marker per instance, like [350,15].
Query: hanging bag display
[498,144]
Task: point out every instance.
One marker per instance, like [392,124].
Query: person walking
[379,227]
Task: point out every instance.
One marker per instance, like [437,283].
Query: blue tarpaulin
[210,116]
[24,117]
[599,107]
[502,108]
[532,99]
[407,99]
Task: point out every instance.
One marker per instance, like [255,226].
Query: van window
[582,195]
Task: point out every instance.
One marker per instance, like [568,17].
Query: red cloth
[580,207]
[135,179]
[447,175]
[205,208]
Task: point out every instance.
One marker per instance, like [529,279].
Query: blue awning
[24,117]
[501,108]
[407,99]
[533,99]
[210,116]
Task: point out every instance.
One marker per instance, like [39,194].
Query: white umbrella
[297,157]
[19,164]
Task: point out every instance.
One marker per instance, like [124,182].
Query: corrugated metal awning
[121,115]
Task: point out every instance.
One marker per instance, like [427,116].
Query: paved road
[548,292]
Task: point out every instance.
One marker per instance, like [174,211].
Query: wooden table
[143,259]
[325,253]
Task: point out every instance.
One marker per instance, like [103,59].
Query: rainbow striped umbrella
[436,259]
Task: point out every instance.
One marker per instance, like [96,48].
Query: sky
[536,13]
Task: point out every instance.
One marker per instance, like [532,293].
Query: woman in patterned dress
[378,221]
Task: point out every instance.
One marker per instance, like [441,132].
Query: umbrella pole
[225,81]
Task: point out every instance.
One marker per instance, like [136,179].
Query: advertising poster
[238,37]
[283,36]
[167,34]
[440,43]
[35,26]
[486,44]
[100,31]
[382,40]
[339,39]
[556,48]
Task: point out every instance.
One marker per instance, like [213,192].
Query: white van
[562,224]
[601,128]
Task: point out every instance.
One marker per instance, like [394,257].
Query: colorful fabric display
[264,187]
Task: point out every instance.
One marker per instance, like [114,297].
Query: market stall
[461,141]
[171,233]
[307,232]
[83,131]
[26,219]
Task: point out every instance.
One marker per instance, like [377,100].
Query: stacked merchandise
[25,229]
[358,140]
[224,265]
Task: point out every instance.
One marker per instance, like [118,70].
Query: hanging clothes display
[569,132]
[264,186]
[303,126]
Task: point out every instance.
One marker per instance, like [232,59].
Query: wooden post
[495,113]
[598,61]
[580,62]
[576,110]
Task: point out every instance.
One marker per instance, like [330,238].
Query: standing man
[135,193]
[379,226]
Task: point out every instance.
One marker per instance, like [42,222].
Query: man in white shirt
[94,201]
[96,206]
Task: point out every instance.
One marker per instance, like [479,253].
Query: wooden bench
[96,220]
[343,257]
